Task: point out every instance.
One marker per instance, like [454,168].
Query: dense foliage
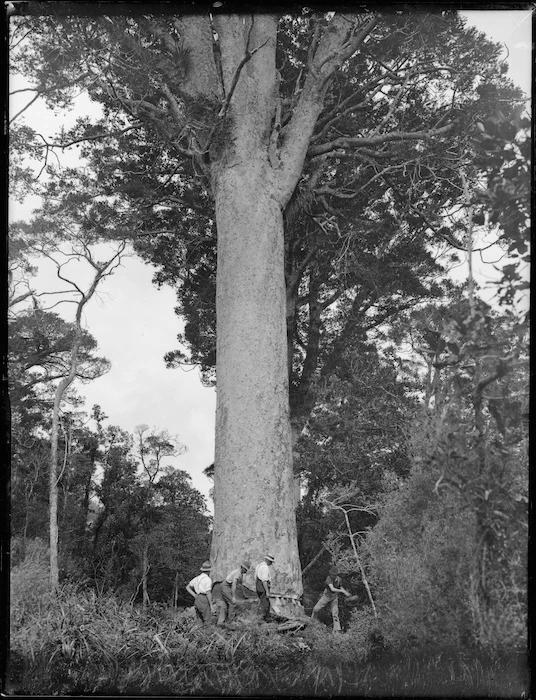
[118,530]
[117,497]
[370,212]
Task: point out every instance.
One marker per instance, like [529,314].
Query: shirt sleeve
[235,575]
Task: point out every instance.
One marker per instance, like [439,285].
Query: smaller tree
[152,530]
[353,446]
[68,250]
[180,538]
[117,518]
[152,447]
[39,355]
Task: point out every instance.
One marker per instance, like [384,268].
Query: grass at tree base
[264,663]
[79,643]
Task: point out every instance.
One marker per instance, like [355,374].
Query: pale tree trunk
[53,502]
[67,434]
[53,475]
[175,596]
[253,487]
[145,573]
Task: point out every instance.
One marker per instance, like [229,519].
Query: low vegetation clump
[78,642]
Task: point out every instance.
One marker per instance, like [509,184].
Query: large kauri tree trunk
[253,484]
[254,510]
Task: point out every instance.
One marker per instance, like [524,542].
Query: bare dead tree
[100,271]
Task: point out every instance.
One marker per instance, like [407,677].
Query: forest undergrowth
[77,642]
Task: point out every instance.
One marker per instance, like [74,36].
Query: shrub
[425,557]
[421,554]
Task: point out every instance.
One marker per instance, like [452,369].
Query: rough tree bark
[253,498]
[254,501]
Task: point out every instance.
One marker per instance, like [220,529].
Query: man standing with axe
[330,596]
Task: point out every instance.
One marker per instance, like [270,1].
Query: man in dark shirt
[330,596]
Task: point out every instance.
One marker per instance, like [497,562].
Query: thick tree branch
[360,141]
[34,98]
[21,297]
[95,137]
[338,43]
[338,114]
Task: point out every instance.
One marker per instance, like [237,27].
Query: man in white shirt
[263,579]
[200,588]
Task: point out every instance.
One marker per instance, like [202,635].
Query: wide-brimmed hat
[334,571]
[245,564]
[269,557]
[206,566]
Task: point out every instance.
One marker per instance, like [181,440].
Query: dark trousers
[202,608]
[223,596]
[263,600]
[221,605]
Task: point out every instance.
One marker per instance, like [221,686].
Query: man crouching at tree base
[263,578]
[200,588]
[330,596]
[227,600]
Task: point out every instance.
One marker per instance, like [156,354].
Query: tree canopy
[376,201]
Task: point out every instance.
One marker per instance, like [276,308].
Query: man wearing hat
[228,592]
[200,588]
[263,579]
[330,596]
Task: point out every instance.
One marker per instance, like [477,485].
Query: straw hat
[206,566]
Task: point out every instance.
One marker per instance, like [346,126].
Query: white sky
[134,322]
